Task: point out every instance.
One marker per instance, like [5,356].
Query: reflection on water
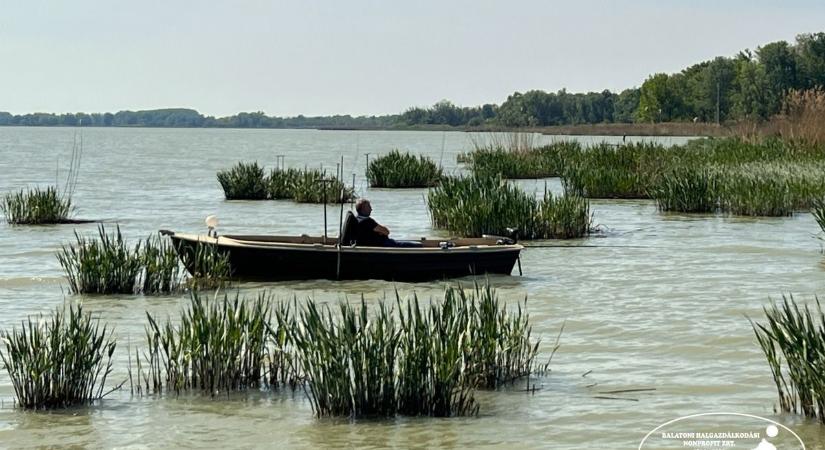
[654,301]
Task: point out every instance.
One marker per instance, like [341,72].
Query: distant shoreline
[674,129]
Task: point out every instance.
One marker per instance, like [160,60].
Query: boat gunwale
[238,243]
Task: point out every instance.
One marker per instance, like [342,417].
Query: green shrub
[397,170]
[59,361]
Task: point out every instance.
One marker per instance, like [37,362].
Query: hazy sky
[356,56]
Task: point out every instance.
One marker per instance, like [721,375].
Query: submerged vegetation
[793,341]
[248,182]
[58,361]
[109,265]
[403,170]
[477,205]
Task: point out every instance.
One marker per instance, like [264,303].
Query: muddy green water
[656,301]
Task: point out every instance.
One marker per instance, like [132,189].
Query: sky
[359,57]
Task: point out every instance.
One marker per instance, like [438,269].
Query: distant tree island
[748,86]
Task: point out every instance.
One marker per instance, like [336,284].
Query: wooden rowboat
[269,258]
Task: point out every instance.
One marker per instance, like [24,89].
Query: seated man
[372,234]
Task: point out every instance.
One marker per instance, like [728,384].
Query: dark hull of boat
[322,262]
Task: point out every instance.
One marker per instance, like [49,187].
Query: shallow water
[655,301]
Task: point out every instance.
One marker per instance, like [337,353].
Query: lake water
[656,301]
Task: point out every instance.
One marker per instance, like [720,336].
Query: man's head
[363,207]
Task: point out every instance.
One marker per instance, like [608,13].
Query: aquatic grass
[607,171]
[397,170]
[281,183]
[562,217]
[58,361]
[478,205]
[36,206]
[218,346]
[539,162]
[309,187]
[161,267]
[106,265]
[818,211]
[793,341]
[687,189]
[208,266]
[244,181]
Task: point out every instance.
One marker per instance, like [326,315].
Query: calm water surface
[656,301]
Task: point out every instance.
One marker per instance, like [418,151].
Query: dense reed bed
[793,340]
[217,346]
[403,170]
[36,207]
[538,162]
[477,205]
[109,265]
[58,361]
[244,181]
[607,171]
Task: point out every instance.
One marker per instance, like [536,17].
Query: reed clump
[314,186]
[423,360]
[281,183]
[218,346]
[244,181]
[58,361]
[793,341]
[403,170]
[818,211]
[687,189]
[209,268]
[36,207]
[478,205]
[607,171]
[109,265]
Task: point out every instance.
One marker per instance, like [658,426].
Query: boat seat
[348,230]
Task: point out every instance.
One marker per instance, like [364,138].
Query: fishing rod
[588,246]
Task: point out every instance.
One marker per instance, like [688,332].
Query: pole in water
[324,196]
[519,265]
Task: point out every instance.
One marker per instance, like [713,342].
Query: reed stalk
[58,361]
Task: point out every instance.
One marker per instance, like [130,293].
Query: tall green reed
[58,361]
[793,341]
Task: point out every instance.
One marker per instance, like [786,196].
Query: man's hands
[382,230]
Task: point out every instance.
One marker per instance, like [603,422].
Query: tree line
[750,85]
